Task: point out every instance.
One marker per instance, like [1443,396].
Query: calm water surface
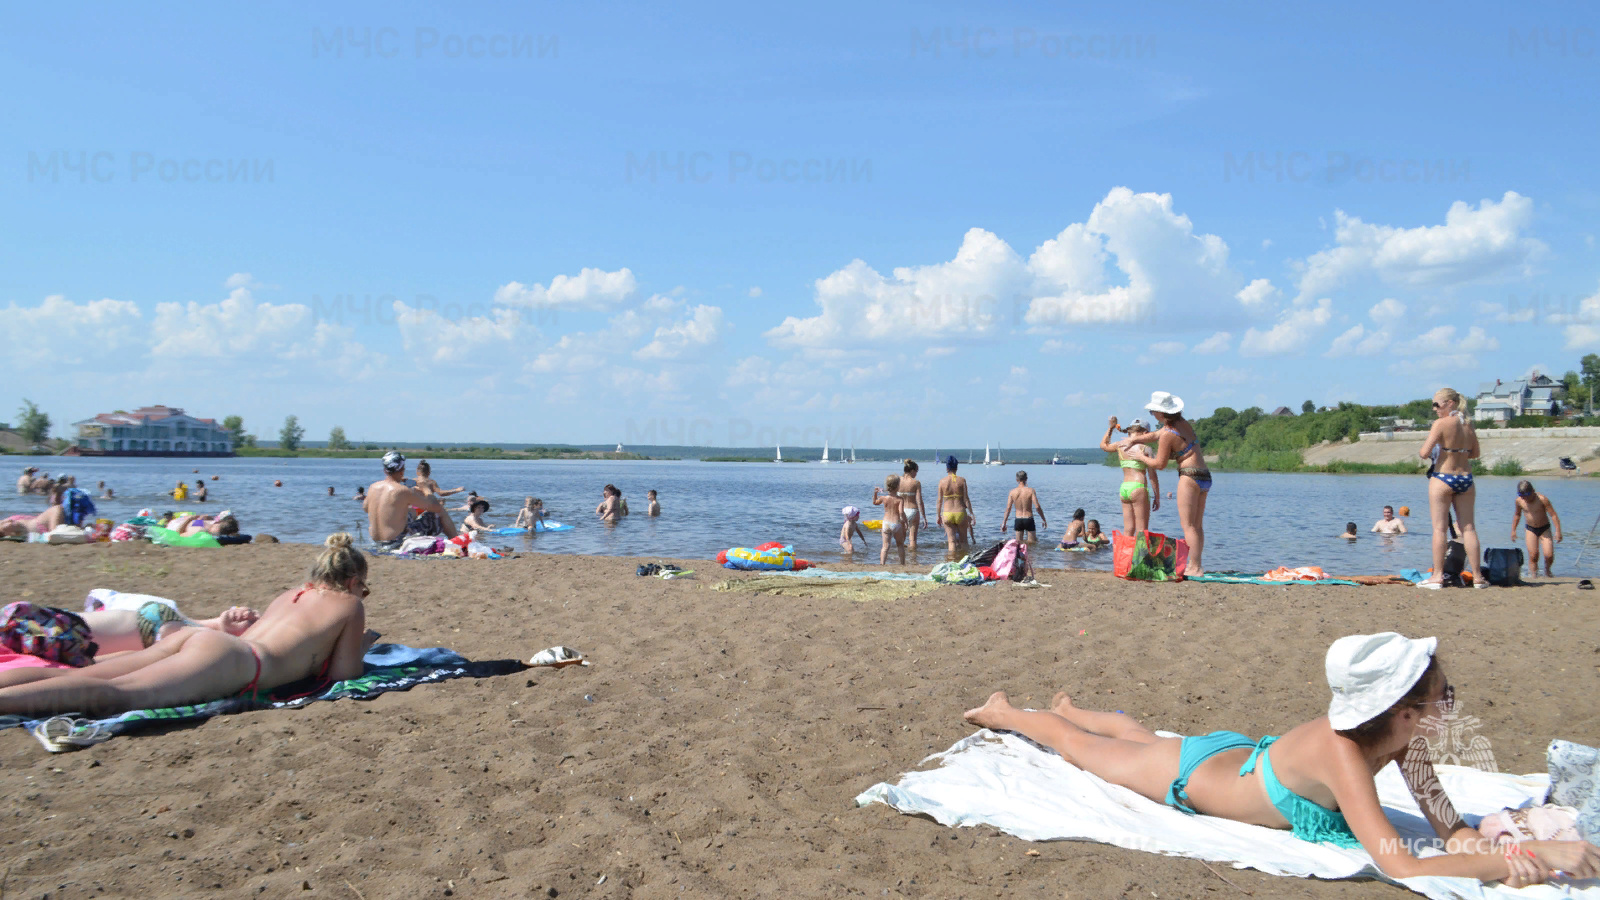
[1254,521]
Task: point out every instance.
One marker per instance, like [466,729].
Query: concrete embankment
[1537,449]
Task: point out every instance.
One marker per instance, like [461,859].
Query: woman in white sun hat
[1317,779]
[1175,440]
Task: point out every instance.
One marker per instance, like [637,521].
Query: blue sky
[913,224]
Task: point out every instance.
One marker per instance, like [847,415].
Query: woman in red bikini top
[315,630]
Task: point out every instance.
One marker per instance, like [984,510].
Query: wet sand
[715,746]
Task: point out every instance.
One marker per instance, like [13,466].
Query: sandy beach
[714,747]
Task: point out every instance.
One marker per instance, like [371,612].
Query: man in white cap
[395,509]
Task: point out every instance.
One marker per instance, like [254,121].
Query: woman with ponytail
[316,630]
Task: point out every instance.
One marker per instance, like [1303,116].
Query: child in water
[1075,530]
[530,515]
[1092,537]
[1349,531]
[894,522]
[852,527]
[655,508]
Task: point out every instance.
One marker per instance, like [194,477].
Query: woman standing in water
[1452,445]
[955,507]
[1139,500]
[1175,440]
[911,505]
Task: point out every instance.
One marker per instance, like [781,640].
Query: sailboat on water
[825,451]
[780,453]
[852,453]
[997,461]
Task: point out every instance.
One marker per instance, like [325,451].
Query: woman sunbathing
[313,631]
[1318,778]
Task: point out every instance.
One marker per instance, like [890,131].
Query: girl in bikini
[955,507]
[894,522]
[1176,441]
[1139,500]
[1451,445]
[910,494]
[1317,780]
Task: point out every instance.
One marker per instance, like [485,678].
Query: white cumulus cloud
[701,328]
[1217,343]
[59,332]
[1472,244]
[590,288]
[1295,328]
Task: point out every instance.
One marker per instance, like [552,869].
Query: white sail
[986,454]
[824,449]
[780,454]
[852,454]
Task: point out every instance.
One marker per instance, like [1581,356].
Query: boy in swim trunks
[654,509]
[1541,518]
[1024,500]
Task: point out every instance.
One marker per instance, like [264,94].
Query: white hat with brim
[1369,673]
[1163,402]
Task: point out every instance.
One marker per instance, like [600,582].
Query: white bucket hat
[1370,672]
[1163,402]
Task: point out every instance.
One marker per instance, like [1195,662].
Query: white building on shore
[1539,395]
[151,431]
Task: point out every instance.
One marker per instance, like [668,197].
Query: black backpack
[1502,566]
[1455,562]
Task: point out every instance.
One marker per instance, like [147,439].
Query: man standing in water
[395,510]
[1388,524]
[1023,499]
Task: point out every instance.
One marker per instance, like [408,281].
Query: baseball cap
[1371,672]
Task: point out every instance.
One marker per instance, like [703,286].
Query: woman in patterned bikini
[1452,445]
[1176,441]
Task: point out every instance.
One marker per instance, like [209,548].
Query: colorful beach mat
[389,667]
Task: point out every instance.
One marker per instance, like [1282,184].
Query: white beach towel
[1006,781]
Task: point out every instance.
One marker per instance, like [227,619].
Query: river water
[1253,522]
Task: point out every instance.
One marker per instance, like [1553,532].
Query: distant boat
[619,448]
[825,450]
[1056,460]
[997,461]
[986,454]
[852,454]
[780,454]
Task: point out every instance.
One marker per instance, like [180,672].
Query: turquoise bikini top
[1310,821]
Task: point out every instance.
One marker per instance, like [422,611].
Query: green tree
[33,425]
[1589,367]
[336,439]
[234,425]
[1307,408]
[289,437]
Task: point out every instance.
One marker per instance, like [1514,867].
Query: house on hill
[1283,411]
[1539,395]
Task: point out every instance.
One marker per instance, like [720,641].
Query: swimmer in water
[474,521]
[1075,530]
[1349,531]
[530,515]
[1092,536]
[654,509]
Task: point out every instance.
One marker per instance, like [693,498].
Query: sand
[715,746]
